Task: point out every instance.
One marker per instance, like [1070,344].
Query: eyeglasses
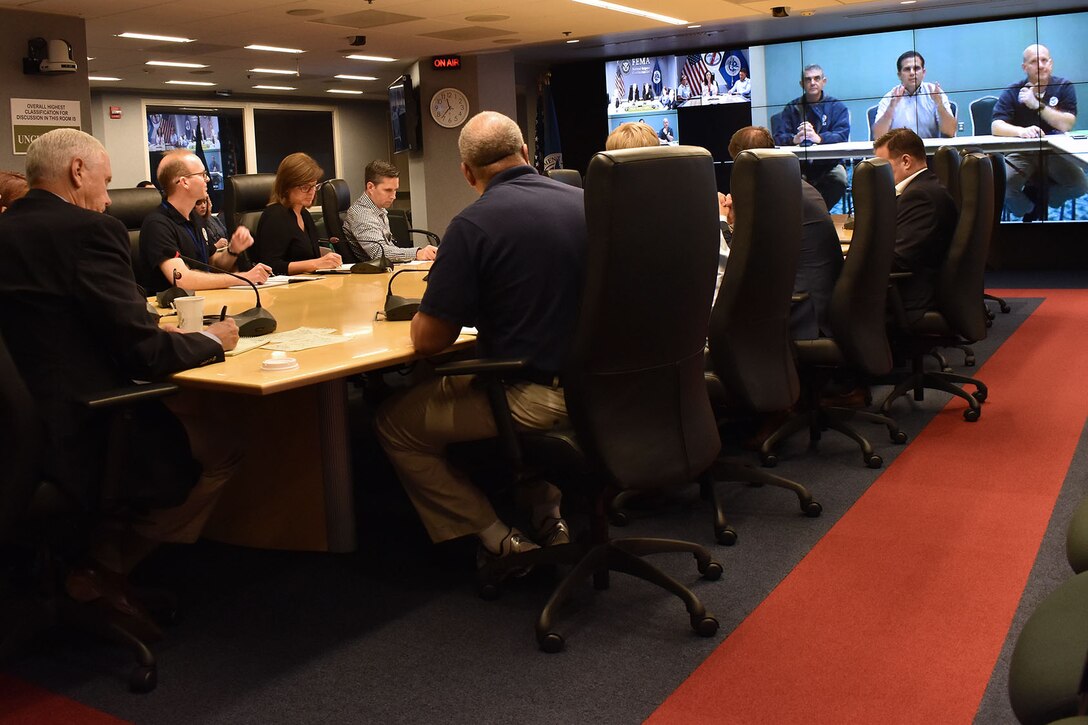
[312,186]
[204,174]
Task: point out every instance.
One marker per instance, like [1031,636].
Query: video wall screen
[941,82]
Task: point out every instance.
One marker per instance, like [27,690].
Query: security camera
[781,11]
[358,40]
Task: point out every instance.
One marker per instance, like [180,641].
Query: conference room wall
[16,28]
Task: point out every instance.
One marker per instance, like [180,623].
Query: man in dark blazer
[820,261]
[926,219]
[76,324]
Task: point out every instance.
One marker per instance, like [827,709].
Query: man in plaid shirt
[367,222]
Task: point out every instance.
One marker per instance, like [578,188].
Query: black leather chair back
[859,299]
[997,161]
[131,206]
[400,227]
[946,165]
[961,285]
[749,327]
[634,383]
[567,176]
[244,199]
[20,445]
[335,201]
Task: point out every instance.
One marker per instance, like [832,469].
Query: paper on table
[245,344]
[273,281]
[303,338]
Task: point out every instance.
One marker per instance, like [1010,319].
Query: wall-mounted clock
[449,107]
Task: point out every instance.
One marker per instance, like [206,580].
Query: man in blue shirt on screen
[509,265]
[816,118]
[1042,104]
[915,104]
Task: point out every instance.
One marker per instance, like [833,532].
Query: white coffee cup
[190,313]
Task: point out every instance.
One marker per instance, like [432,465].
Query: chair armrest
[129,395]
[491,368]
[900,275]
[434,239]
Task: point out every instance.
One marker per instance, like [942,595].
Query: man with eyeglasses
[815,118]
[1040,105]
[915,104]
[367,222]
[174,228]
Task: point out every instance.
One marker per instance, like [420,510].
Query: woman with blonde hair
[286,236]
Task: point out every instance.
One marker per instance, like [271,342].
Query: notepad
[273,281]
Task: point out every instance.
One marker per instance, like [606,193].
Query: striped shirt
[367,229]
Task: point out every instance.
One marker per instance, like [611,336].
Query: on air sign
[446,62]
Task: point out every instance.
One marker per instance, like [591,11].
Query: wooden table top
[347,303]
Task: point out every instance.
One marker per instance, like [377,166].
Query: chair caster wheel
[812,509]
[971,415]
[551,642]
[969,362]
[489,592]
[898,437]
[1005,308]
[874,461]
[770,460]
[618,518]
[980,395]
[712,571]
[705,626]
[726,536]
[143,679]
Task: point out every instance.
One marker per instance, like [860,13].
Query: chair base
[728,469]
[819,419]
[948,382]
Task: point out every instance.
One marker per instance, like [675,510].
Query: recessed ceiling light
[693,27]
[102,78]
[274,49]
[190,83]
[344,90]
[345,77]
[807,13]
[175,64]
[162,38]
[276,88]
[573,41]
[90,58]
[274,71]
[632,11]
[375,58]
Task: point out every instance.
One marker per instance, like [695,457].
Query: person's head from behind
[489,144]
[1037,64]
[911,67]
[750,137]
[904,150]
[13,187]
[145,185]
[73,165]
[296,181]
[632,135]
[181,175]
[382,182]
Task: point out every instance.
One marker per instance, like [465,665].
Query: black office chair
[245,198]
[751,358]
[1076,539]
[859,341]
[640,417]
[958,317]
[131,206]
[335,202]
[38,515]
[1048,680]
[400,226]
[567,176]
[997,161]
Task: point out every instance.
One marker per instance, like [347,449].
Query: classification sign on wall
[31,117]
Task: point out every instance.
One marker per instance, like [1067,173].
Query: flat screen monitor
[404,116]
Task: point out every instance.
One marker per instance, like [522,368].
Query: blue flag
[656,78]
[549,152]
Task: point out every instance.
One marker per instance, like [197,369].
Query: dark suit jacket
[817,268]
[926,219]
[76,324]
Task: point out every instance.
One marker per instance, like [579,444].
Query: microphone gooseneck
[373,266]
[397,308]
[167,296]
[253,322]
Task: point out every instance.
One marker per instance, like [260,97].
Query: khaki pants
[415,428]
[1065,177]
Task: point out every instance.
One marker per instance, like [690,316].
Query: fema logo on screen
[625,66]
[656,77]
[732,65]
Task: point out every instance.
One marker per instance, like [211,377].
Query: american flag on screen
[695,71]
[621,88]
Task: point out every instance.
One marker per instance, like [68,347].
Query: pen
[223,314]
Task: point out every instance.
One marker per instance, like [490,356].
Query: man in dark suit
[821,255]
[76,324]
[925,219]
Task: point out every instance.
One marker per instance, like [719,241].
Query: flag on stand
[621,87]
[549,154]
[656,78]
[695,70]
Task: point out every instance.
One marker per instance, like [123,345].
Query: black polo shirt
[510,265]
[165,233]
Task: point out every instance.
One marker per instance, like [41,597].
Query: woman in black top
[286,237]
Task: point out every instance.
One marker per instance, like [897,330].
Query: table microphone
[253,322]
[167,296]
[397,308]
[373,266]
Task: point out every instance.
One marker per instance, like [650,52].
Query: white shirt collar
[903,184]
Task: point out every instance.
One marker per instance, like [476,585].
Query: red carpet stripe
[900,612]
[26,704]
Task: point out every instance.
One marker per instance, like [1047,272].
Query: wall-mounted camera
[357,40]
[780,11]
[48,57]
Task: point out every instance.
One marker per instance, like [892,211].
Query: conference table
[1064,143]
[295,487]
